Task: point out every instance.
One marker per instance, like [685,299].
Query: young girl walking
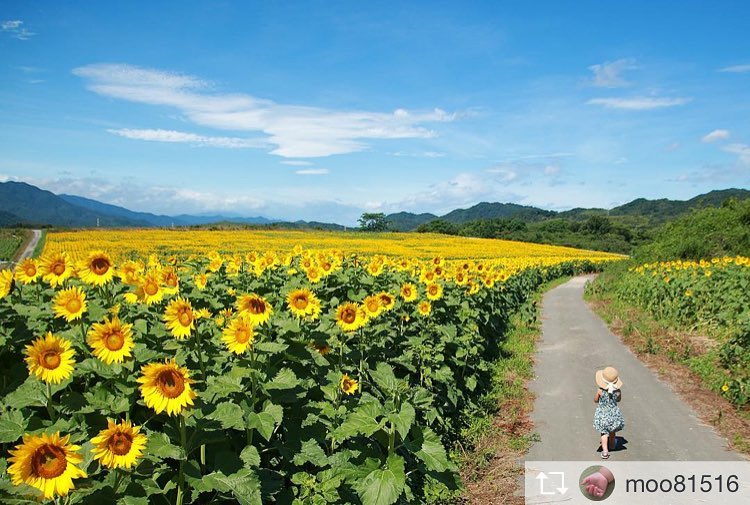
[608,419]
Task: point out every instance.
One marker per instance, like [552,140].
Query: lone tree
[373,221]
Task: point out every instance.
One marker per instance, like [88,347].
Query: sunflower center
[58,268]
[48,462]
[433,290]
[114,341]
[50,359]
[349,316]
[151,288]
[300,302]
[73,305]
[242,335]
[171,383]
[373,305]
[100,266]
[385,300]
[120,443]
[171,281]
[185,318]
[30,270]
[256,306]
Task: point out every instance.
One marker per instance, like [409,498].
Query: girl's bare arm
[597,396]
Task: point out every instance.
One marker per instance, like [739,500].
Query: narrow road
[29,250]
[575,343]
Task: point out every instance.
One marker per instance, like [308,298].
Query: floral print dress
[608,417]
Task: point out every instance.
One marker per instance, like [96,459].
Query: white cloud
[609,73]
[297,163]
[551,170]
[638,102]
[15,28]
[422,154]
[736,69]
[672,147]
[189,138]
[312,171]
[741,150]
[715,135]
[294,130]
[522,172]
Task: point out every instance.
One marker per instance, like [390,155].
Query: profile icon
[597,483]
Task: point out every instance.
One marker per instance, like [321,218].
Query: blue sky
[323,110]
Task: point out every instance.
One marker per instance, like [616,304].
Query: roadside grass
[491,458]
[687,360]
[11,240]
[40,245]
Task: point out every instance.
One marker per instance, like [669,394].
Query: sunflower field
[706,295]
[305,377]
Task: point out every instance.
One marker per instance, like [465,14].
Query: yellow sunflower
[372,306]
[6,283]
[386,300]
[255,308]
[350,317]
[239,335]
[119,445]
[313,274]
[424,308]
[179,318]
[70,303]
[50,358]
[303,303]
[111,340]
[170,281]
[409,292]
[150,290]
[201,280]
[55,268]
[130,272]
[27,271]
[434,291]
[97,270]
[348,385]
[166,386]
[46,462]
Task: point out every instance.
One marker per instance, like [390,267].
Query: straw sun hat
[608,379]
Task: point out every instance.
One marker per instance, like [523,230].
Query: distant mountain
[121,212]
[8,219]
[487,210]
[190,220]
[403,221]
[639,210]
[34,205]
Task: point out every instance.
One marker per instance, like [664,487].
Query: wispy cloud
[294,130]
[297,163]
[715,135]
[15,29]
[639,102]
[741,150]
[736,69]
[312,171]
[188,138]
[522,172]
[420,154]
[609,73]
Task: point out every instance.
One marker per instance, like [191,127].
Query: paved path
[37,234]
[575,343]
[28,250]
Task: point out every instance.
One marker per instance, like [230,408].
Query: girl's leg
[605,443]
[612,440]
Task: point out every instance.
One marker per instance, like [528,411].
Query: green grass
[40,245]
[10,240]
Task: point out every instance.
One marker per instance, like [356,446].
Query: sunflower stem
[50,408]
[119,476]
[200,354]
[181,477]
